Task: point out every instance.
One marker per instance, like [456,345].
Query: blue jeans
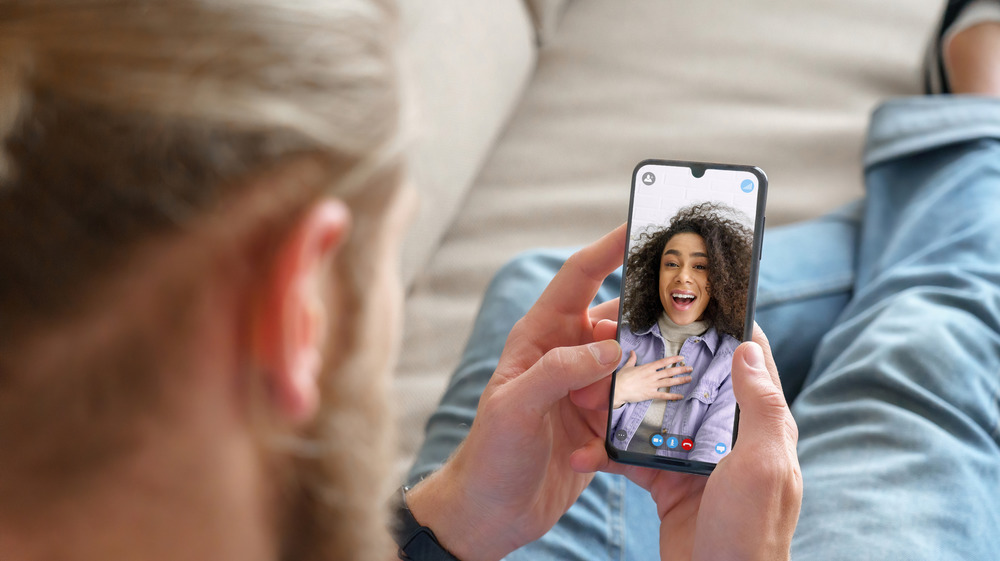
[884,318]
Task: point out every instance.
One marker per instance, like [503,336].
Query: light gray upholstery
[783,84]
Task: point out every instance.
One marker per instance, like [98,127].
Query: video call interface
[683,311]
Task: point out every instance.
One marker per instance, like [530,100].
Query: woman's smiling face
[684,278]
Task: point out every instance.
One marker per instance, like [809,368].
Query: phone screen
[687,300]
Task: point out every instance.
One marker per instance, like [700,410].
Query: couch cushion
[546,15]
[466,63]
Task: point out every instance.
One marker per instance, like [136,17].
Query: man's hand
[749,506]
[511,479]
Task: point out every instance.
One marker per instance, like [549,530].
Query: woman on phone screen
[683,316]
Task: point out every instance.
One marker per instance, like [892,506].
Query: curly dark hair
[729,245]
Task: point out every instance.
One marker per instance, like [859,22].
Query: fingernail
[606,352]
[754,356]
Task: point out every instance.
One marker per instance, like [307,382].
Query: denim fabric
[899,413]
[884,318]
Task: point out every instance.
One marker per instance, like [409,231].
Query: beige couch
[530,115]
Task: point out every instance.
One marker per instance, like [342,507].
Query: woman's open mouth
[683,299]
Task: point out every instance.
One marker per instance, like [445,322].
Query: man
[200,207]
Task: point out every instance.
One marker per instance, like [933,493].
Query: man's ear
[290,324]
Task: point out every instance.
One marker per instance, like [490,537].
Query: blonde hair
[124,121]
[318,68]
[251,82]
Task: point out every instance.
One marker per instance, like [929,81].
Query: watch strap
[416,542]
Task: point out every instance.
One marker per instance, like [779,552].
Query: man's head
[198,212]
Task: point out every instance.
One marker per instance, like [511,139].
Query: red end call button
[687,444]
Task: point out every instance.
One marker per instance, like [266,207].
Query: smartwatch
[416,542]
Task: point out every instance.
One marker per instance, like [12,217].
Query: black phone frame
[677,464]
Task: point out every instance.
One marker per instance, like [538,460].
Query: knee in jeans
[943,338]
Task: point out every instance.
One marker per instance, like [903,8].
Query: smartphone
[689,283]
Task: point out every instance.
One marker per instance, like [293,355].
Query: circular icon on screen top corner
[621,434]
[657,440]
[687,444]
[673,442]
[720,448]
[747,185]
[648,178]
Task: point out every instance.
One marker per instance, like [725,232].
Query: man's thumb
[758,391]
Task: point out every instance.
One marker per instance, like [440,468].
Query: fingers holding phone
[765,467]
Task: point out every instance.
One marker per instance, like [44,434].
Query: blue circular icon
[720,448]
[672,442]
[657,440]
[747,185]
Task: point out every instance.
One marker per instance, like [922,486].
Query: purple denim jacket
[708,409]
